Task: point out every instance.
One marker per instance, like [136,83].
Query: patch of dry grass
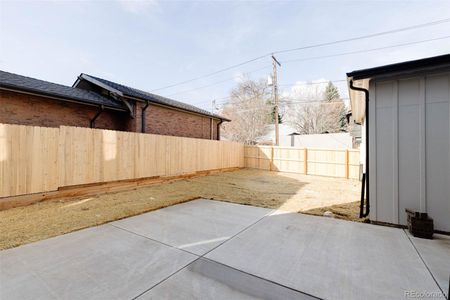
[345,211]
[290,192]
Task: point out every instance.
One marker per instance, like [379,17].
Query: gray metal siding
[410,136]
[438,149]
[384,146]
[409,146]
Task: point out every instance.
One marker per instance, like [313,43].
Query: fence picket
[41,159]
[314,161]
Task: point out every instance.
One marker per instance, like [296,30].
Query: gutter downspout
[100,110]
[211,129]
[218,129]
[143,116]
[365,178]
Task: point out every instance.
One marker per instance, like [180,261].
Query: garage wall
[410,148]
[438,149]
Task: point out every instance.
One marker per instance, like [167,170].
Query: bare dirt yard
[285,191]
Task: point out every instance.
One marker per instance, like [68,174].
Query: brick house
[98,103]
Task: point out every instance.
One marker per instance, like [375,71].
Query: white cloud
[138,6]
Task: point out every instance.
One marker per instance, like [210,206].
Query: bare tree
[316,109]
[250,110]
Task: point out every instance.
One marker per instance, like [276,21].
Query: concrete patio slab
[259,254]
[102,262]
[205,279]
[436,255]
[328,258]
[196,226]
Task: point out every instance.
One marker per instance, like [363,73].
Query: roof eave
[29,91]
[98,83]
[112,90]
[177,108]
[124,96]
[435,62]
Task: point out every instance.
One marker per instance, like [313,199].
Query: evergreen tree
[272,117]
[331,92]
[332,95]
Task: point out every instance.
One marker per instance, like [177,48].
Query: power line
[312,83]
[199,88]
[367,50]
[207,101]
[210,74]
[308,47]
[313,101]
[309,101]
[367,36]
[324,56]
[297,103]
[215,83]
[218,100]
[226,97]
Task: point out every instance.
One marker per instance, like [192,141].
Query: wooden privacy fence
[313,161]
[39,159]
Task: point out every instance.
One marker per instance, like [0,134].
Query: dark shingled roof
[146,96]
[429,62]
[45,88]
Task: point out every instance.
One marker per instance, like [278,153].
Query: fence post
[346,164]
[305,154]
[271,159]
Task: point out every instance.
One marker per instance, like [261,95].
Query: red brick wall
[17,108]
[165,121]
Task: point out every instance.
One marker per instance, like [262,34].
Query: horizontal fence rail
[313,161]
[40,159]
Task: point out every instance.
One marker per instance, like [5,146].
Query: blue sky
[151,44]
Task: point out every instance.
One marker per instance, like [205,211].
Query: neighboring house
[354,129]
[284,132]
[99,103]
[290,138]
[408,138]
[340,140]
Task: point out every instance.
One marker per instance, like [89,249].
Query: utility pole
[275,96]
[211,124]
[213,106]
